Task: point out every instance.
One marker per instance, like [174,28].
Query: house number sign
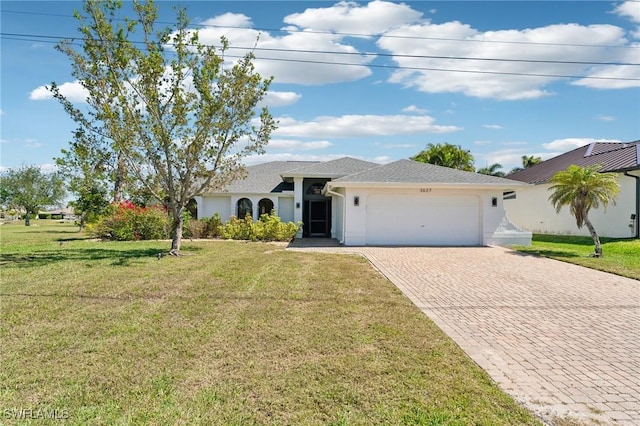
[425,189]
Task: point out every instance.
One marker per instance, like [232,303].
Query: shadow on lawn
[544,253]
[119,257]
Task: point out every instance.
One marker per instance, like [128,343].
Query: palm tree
[582,188]
[492,170]
[446,155]
[530,160]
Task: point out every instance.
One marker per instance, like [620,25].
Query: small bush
[127,222]
[44,215]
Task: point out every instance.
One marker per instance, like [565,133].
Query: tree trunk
[119,180]
[594,235]
[176,231]
[27,219]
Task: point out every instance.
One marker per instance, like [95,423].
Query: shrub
[212,226]
[237,229]
[44,215]
[268,228]
[127,222]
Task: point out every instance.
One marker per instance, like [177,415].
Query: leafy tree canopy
[29,189]
[176,116]
[446,155]
[584,188]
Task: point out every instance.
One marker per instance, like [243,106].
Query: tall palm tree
[582,188]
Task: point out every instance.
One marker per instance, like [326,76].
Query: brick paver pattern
[563,340]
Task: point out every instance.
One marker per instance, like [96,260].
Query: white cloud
[360,125]
[73,91]
[291,58]
[350,17]
[277,99]
[396,145]
[415,109]
[1,111]
[564,145]
[629,9]
[426,44]
[482,143]
[492,126]
[606,118]
[32,143]
[230,20]
[297,145]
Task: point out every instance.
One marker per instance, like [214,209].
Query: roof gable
[334,168]
[414,172]
[614,157]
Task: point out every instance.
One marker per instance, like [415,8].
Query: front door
[319,218]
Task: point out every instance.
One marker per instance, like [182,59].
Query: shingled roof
[266,177]
[614,157]
[331,169]
[414,172]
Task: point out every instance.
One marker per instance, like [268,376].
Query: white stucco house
[363,203]
[532,209]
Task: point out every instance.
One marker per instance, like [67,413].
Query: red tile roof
[614,157]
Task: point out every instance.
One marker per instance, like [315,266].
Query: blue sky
[502,79]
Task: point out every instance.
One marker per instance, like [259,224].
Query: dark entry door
[319,219]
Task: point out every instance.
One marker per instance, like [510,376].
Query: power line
[39,38]
[367,35]
[359,54]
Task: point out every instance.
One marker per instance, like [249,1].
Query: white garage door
[423,220]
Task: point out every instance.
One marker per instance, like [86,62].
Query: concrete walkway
[563,340]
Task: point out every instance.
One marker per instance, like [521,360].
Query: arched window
[315,189]
[245,207]
[265,206]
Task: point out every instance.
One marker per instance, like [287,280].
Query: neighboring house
[532,210]
[363,203]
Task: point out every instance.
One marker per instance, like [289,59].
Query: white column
[297,202]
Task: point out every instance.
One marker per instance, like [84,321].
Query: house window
[245,207]
[265,206]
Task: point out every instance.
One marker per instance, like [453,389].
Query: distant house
[364,203]
[532,210]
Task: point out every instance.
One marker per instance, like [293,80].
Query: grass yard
[233,333]
[621,256]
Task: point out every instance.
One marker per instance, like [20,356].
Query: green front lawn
[621,256]
[231,333]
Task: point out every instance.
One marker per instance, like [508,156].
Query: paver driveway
[563,340]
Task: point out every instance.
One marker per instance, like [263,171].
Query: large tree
[584,188]
[28,188]
[88,168]
[446,155]
[177,114]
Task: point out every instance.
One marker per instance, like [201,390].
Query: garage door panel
[423,220]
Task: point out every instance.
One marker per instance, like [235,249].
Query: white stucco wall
[285,209]
[533,211]
[490,219]
[226,205]
[209,205]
